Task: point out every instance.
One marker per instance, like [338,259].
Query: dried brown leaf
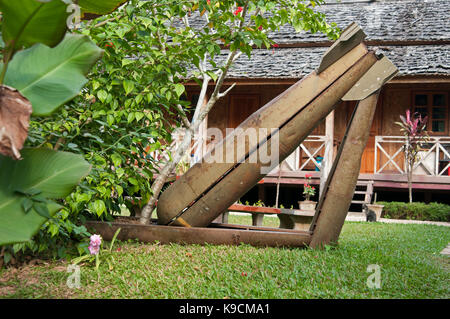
[15,111]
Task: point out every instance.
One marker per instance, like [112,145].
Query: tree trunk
[199,115]
[162,177]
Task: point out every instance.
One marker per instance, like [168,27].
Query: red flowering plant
[308,190]
[413,127]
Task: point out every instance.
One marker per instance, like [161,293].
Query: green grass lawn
[408,256]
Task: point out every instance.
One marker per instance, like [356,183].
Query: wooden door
[368,156]
[242,106]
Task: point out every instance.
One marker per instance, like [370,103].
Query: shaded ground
[408,257]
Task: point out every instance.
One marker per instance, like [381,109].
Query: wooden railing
[305,157]
[434,159]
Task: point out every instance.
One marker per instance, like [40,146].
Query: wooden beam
[328,154]
[414,186]
[380,180]
[253,209]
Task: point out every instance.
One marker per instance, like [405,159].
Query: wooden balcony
[431,172]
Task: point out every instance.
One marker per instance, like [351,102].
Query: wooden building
[415,35]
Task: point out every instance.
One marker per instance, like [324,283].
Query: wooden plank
[363,179]
[359,202]
[414,185]
[201,235]
[248,227]
[253,209]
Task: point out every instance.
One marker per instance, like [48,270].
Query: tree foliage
[40,71]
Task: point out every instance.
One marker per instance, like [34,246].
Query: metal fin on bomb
[379,74]
[350,38]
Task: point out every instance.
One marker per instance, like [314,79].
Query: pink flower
[96,240]
[208,1]
[94,246]
[308,175]
[94,250]
[238,10]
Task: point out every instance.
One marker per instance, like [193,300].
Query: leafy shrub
[416,211]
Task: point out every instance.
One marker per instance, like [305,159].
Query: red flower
[313,187]
[308,175]
[275,45]
[238,10]
[260,28]
[119,249]
[244,274]
[208,1]
[109,44]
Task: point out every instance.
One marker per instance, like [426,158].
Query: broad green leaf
[102,95]
[116,159]
[27,204]
[98,207]
[179,89]
[53,173]
[99,7]
[110,119]
[128,86]
[138,116]
[49,77]
[125,62]
[42,210]
[133,181]
[27,22]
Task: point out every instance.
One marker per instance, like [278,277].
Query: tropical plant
[126,113]
[414,130]
[42,69]
[97,252]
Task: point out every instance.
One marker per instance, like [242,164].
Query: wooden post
[327,162]
[261,193]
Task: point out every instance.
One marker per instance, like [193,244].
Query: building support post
[327,162]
